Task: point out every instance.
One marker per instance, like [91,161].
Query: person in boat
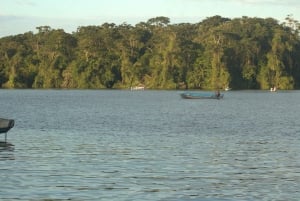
[218,93]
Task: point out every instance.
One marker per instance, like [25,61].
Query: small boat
[227,89]
[139,87]
[273,89]
[5,126]
[198,95]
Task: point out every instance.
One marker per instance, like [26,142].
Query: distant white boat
[140,87]
[227,89]
[273,89]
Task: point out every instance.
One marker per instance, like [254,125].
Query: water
[150,145]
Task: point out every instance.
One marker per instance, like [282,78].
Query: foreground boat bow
[5,126]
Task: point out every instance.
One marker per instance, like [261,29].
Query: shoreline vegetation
[216,53]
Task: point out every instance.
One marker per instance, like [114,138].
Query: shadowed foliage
[243,53]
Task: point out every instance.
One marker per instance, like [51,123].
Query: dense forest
[243,53]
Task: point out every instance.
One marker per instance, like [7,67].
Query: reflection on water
[150,145]
[6,151]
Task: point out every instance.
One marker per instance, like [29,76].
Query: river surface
[150,146]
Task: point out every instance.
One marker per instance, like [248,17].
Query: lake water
[150,145]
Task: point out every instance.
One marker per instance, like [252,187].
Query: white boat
[139,87]
[227,89]
[273,89]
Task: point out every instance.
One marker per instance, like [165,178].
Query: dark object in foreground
[6,125]
[198,95]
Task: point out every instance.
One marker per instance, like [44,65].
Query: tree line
[243,53]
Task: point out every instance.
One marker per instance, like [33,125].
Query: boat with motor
[199,95]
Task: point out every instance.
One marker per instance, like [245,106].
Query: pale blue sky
[19,16]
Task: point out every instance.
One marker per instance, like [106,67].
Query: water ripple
[118,145]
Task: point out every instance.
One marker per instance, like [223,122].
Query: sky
[20,16]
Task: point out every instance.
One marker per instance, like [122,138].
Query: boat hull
[193,95]
[6,125]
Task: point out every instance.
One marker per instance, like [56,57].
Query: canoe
[6,125]
[198,95]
